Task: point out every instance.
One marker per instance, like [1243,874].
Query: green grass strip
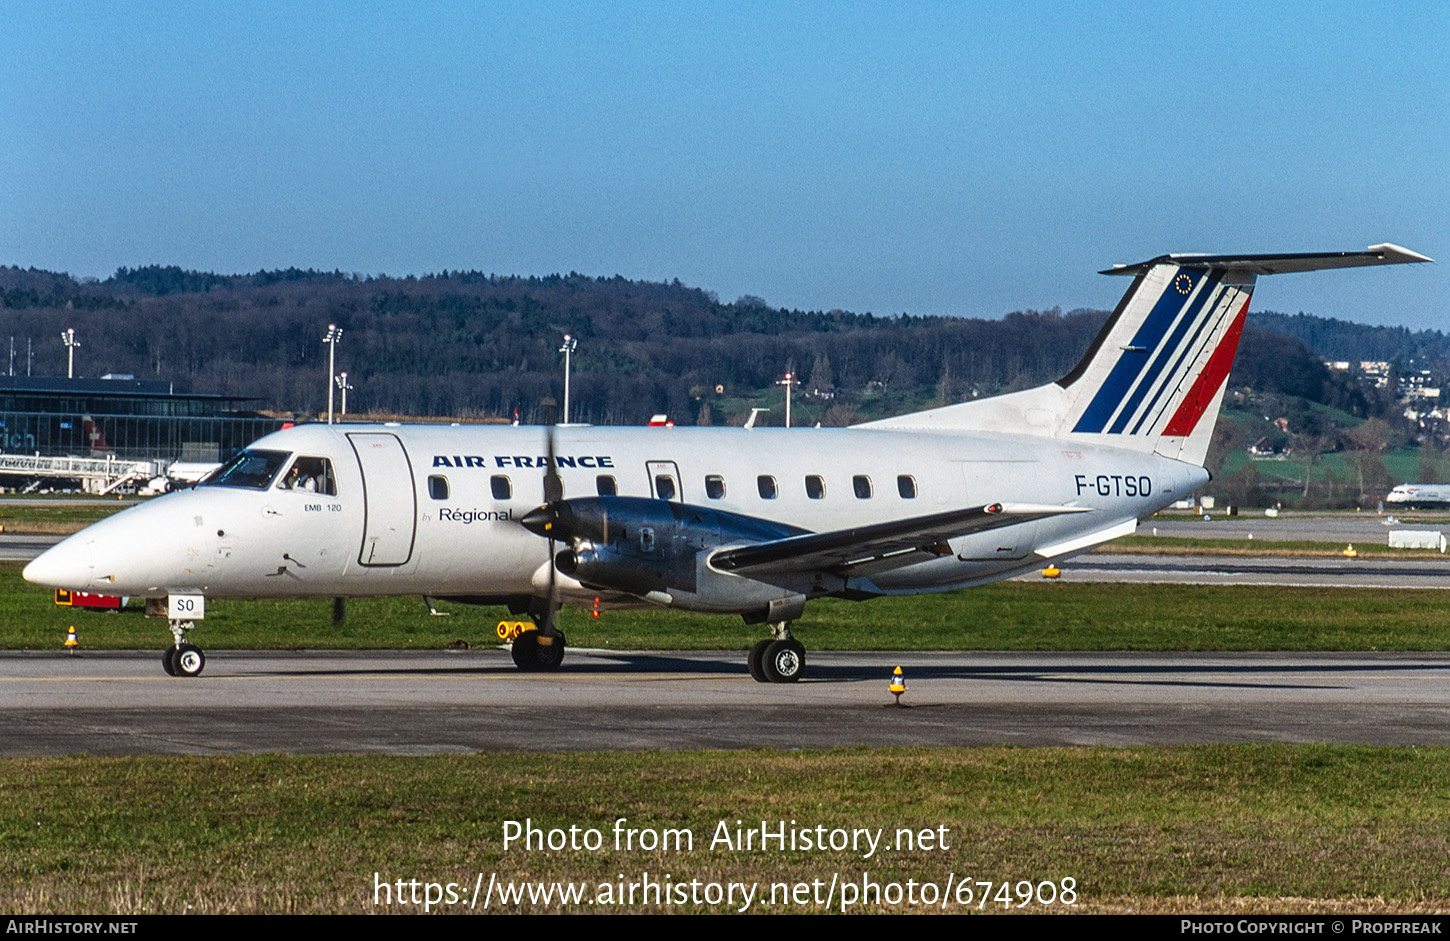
[1221,828]
[1005,616]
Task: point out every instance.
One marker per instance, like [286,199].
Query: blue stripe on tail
[1132,362]
[1205,291]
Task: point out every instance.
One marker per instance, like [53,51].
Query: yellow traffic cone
[898,684]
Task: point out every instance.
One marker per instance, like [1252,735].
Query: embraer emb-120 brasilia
[748,521]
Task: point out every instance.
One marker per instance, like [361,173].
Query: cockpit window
[312,474]
[252,469]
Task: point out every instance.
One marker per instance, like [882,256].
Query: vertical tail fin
[1161,363]
[95,437]
[1155,376]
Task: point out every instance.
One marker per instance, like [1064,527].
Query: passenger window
[438,487]
[503,488]
[862,485]
[311,474]
[766,485]
[906,486]
[606,486]
[715,487]
[664,486]
[815,487]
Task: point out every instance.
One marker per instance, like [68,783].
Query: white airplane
[179,474]
[1419,497]
[751,521]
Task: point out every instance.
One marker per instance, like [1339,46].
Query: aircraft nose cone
[64,565]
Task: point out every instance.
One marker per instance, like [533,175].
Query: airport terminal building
[122,416]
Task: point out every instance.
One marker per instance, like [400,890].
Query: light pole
[70,341]
[789,381]
[570,344]
[334,334]
[343,385]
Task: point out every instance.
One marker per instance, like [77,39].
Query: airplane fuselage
[435,509]
[728,520]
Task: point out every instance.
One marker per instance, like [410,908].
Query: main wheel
[168,660]
[523,649]
[756,660]
[189,660]
[532,651]
[784,661]
[550,650]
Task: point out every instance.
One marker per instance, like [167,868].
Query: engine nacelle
[658,550]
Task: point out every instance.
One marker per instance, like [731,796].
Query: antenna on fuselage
[754,412]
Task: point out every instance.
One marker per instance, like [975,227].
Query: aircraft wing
[867,549]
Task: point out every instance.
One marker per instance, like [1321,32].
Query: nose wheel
[181,658]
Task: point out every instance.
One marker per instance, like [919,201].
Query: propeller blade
[553,499]
[553,483]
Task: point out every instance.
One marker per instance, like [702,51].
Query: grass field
[1005,616]
[1211,829]
[56,518]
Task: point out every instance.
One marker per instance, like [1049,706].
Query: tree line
[471,344]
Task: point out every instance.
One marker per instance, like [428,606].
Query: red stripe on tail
[1214,375]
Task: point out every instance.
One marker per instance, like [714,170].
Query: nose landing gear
[181,658]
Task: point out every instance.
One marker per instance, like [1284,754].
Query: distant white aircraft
[180,474]
[751,521]
[1419,497]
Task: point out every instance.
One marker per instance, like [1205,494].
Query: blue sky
[926,158]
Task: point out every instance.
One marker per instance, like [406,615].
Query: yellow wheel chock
[508,630]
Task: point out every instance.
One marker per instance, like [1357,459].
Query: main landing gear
[535,649]
[181,658]
[778,659]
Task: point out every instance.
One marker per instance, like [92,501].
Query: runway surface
[1337,527]
[120,703]
[20,548]
[1326,571]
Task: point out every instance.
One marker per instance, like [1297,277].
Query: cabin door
[390,503]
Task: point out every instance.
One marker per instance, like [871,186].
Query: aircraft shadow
[1224,675]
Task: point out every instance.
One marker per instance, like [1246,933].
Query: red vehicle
[82,599]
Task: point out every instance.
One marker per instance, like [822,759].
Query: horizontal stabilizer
[1385,254]
[848,549]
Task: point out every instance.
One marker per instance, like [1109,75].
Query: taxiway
[1317,571]
[120,703]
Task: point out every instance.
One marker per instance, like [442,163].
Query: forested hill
[474,344]
[1341,340]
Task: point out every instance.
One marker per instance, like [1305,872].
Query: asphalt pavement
[376,702]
